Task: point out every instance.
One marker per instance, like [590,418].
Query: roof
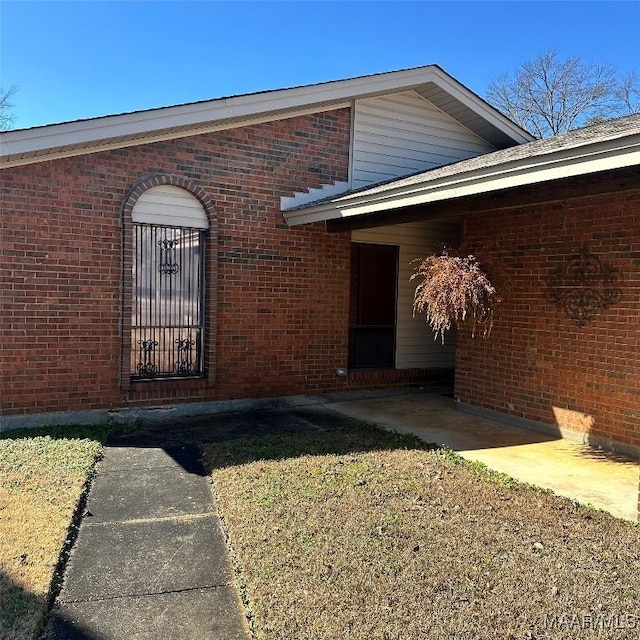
[609,145]
[25,146]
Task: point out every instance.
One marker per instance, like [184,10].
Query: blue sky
[82,59]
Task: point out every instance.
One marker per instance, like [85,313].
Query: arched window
[167,284]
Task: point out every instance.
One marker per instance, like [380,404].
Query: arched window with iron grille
[169,225]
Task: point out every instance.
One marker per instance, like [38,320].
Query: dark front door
[374,278]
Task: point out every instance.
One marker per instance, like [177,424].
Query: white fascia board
[146,126]
[562,164]
[239,107]
[62,140]
[105,144]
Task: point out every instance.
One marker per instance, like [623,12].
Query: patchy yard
[364,534]
[42,479]
[352,533]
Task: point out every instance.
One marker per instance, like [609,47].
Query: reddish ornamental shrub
[453,290]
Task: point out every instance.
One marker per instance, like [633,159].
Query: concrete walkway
[569,469]
[150,560]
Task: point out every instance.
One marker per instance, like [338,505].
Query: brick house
[260,246]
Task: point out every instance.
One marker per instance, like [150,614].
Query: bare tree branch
[6,105]
[549,95]
[629,92]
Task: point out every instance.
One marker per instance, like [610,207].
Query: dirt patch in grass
[42,478]
[365,534]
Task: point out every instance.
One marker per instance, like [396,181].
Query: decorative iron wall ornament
[584,286]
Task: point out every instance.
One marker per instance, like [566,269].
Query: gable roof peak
[24,146]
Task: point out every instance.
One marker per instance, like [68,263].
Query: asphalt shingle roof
[598,133]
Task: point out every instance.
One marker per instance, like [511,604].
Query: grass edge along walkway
[362,533]
[45,475]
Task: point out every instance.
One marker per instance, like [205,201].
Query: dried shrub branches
[453,290]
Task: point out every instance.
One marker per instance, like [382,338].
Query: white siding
[415,344]
[171,206]
[400,134]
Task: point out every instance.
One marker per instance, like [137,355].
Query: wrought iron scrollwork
[584,286]
[146,366]
[185,364]
[168,265]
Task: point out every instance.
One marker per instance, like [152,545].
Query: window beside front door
[372,332]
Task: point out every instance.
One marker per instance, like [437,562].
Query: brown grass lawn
[365,534]
[41,481]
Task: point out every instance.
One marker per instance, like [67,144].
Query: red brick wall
[282,298]
[537,363]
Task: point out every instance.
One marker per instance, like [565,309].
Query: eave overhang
[590,159]
[80,137]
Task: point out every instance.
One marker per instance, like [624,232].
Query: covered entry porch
[560,217]
[383,331]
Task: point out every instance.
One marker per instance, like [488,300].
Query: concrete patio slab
[567,468]
[184,615]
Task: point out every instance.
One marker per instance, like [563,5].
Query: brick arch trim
[160,179]
[210,278]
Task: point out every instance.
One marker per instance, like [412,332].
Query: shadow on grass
[22,614]
[241,437]
[350,438]
[347,436]
[259,434]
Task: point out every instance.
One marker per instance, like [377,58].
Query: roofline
[490,113]
[24,146]
[591,158]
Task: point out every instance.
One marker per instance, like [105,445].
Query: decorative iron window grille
[167,324]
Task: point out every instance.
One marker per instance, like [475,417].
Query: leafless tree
[6,105]
[629,92]
[548,95]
